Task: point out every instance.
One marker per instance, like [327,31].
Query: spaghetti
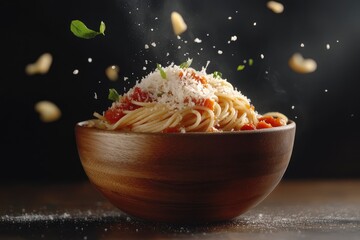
[181,99]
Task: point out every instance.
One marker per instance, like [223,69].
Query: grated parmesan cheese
[181,85]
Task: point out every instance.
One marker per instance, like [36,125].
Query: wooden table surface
[295,210]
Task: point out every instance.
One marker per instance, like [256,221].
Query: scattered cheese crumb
[41,66]
[327,46]
[146,46]
[197,40]
[153,44]
[220,52]
[48,111]
[233,38]
[262,56]
[76,72]
[178,23]
[302,45]
[90,60]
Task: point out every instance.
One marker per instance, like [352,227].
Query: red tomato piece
[248,126]
[209,104]
[263,124]
[275,122]
[113,115]
[139,96]
[171,130]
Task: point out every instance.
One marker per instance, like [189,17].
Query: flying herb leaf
[162,72]
[186,64]
[251,62]
[240,67]
[217,74]
[102,28]
[79,29]
[113,95]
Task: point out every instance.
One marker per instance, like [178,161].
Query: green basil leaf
[162,72]
[217,74]
[113,95]
[240,67]
[79,29]
[186,64]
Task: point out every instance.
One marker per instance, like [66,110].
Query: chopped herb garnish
[102,28]
[79,29]
[251,62]
[186,64]
[217,74]
[113,95]
[162,72]
[160,94]
[240,67]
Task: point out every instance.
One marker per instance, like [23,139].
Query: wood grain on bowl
[185,178]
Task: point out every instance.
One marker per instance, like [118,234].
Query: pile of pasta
[182,99]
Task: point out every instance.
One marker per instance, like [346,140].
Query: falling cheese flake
[302,45]
[292,107]
[41,66]
[90,60]
[76,72]
[220,52]
[229,18]
[276,7]
[146,46]
[327,46]
[254,23]
[262,56]
[301,65]
[233,38]
[153,44]
[112,72]
[48,111]
[178,23]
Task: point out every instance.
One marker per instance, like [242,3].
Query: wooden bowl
[185,177]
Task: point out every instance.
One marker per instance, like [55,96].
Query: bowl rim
[82,125]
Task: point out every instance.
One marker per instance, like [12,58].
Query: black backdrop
[324,104]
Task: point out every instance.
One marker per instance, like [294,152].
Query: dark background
[325,104]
